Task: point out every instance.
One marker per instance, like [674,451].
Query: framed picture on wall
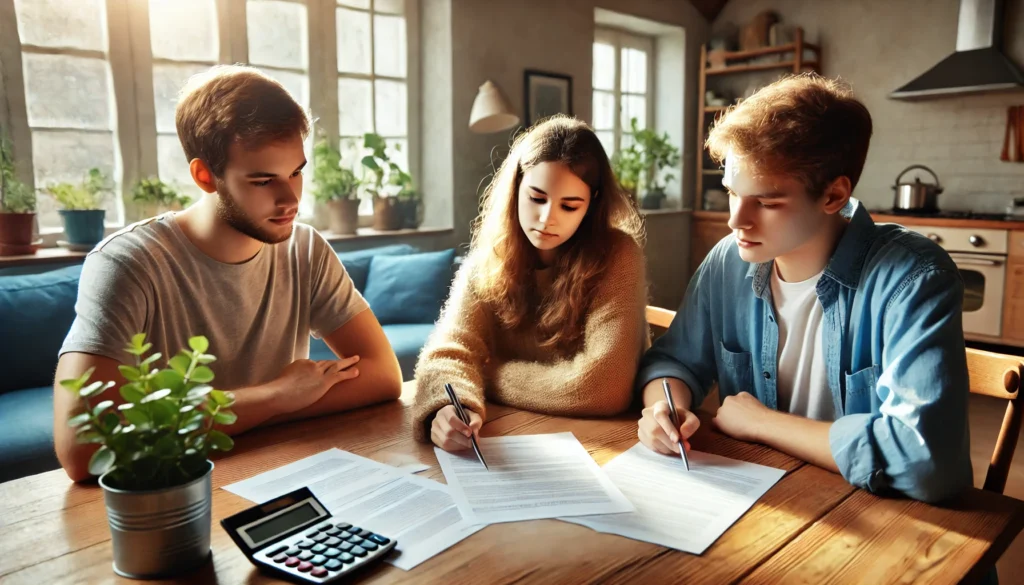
[546,94]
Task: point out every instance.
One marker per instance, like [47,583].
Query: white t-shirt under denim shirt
[802,383]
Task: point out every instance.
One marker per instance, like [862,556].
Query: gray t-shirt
[150,278]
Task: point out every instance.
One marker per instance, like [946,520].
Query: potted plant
[627,166]
[656,155]
[81,211]
[154,197]
[17,207]
[336,187]
[388,212]
[152,461]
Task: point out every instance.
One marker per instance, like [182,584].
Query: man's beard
[230,213]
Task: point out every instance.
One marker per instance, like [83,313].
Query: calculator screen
[283,523]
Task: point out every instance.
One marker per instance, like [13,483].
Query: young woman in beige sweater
[547,312]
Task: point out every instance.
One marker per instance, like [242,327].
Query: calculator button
[332,532]
[355,540]
[359,551]
[332,552]
[332,541]
[319,548]
[345,535]
[293,551]
[319,572]
[364,533]
[318,560]
[324,526]
[305,555]
[369,545]
[277,551]
[305,567]
[304,544]
[312,533]
[346,558]
[379,539]
[320,537]
[334,564]
[281,558]
[345,546]
[343,525]
[291,562]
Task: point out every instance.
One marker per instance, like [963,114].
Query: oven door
[984,277]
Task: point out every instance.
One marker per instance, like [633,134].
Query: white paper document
[684,510]
[417,512]
[529,477]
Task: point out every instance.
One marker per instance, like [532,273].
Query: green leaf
[136,416]
[199,392]
[138,340]
[132,393]
[199,344]
[225,417]
[101,462]
[187,408]
[158,395]
[222,398]
[109,422]
[131,374]
[127,429]
[170,379]
[88,436]
[206,358]
[162,412]
[144,363]
[98,410]
[79,419]
[167,446]
[370,163]
[191,427]
[75,384]
[95,388]
[180,363]
[220,441]
[202,374]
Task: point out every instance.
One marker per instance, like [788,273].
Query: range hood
[978,65]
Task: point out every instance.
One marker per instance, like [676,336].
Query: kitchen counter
[995,224]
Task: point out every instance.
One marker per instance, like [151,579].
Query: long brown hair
[504,260]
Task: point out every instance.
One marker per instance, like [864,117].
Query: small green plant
[161,435]
[15,196]
[399,182]
[656,155]
[85,195]
[154,190]
[332,181]
[628,165]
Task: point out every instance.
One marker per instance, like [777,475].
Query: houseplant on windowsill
[81,209]
[152,461]
[656,155]
[627,166]
[153,197]
[336,187]
[17,207]
[396,204]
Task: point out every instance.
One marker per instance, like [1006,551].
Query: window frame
[621,39]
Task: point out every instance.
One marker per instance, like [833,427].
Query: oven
[980,254]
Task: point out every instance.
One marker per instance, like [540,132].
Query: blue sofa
[405,289]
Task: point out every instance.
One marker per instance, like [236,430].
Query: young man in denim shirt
[832,339]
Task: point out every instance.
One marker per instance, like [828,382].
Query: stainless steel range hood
[978,65]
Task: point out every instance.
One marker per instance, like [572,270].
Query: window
[372,79]
[622,83]
[69,97]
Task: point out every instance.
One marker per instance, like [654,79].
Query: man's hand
[303,382]
[742,417]
[450,433]
[657,432]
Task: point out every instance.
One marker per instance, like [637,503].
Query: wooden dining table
[811,527]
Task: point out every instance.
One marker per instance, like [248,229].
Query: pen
[675,420]
[464,418]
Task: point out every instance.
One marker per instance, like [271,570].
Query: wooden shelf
[710,109]
[760,67]
[713,171]
[787,48]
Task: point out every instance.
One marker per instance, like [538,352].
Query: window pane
[364,4]
[277,34]
[389,6]
[389,46]
[297,84]
[355,106]
[172,165]
[607,139]
[398,151]
[67,156]
[168,79]
[604,110]
[67,92]
[634,106]
[604,66]
[185,30]
[77,24]
[391,108]
[634,71]
[353,41]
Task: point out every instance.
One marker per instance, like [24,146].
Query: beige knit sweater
[481,359]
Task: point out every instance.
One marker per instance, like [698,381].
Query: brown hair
[804,125]
[231,103]
[503,258]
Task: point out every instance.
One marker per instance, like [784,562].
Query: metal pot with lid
[917,196]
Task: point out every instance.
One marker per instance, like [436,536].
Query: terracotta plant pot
[343,216]
[387,214]
[16,231]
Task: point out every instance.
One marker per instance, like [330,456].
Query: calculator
[294,537]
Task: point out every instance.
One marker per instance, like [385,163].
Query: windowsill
[665,211]
[370,233]
[42,256]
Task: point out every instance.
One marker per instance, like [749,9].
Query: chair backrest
[991,374]
[999,376]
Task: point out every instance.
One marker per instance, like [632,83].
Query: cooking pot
[917,196]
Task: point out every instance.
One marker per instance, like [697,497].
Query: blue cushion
[36,312]
[407,339]
[410,288]
[357,263]
[26,433]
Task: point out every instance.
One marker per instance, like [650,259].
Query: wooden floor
[986,417]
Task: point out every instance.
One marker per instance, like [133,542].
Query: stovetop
[952,214]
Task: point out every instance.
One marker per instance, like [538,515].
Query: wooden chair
[991,374]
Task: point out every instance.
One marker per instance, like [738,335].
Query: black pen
[464,418]
[675,420]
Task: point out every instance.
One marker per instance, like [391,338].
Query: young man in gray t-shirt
[234,267]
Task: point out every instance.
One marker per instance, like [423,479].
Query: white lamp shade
[491,111]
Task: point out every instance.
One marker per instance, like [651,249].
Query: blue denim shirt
[894,352]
